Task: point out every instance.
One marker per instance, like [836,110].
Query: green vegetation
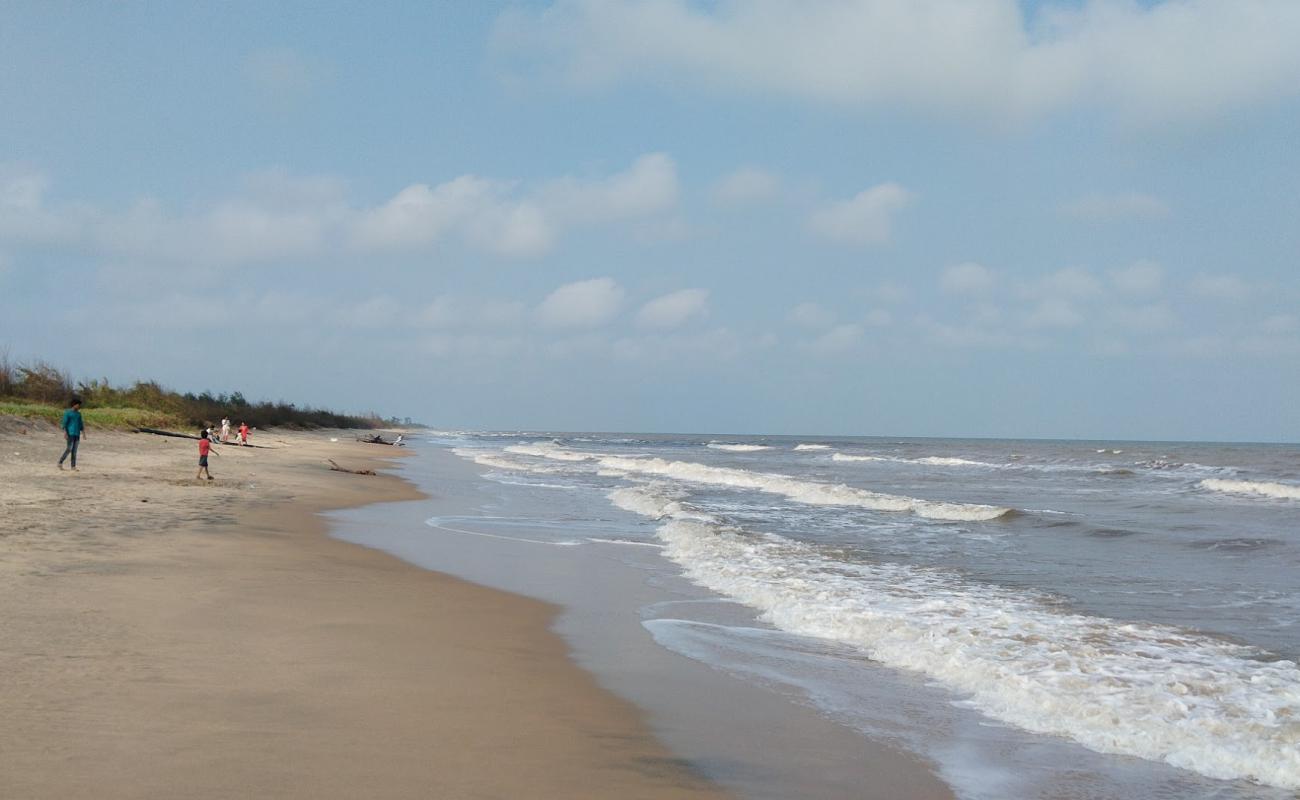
[40,391]
[95,417]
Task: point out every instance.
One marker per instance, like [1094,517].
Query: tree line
[42,383]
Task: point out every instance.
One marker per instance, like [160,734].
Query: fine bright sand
[162,637]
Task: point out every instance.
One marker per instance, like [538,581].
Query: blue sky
[920,217]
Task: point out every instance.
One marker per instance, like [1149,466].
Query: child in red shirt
[243,433]
[205,447]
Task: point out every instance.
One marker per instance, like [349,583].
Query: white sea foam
[1265,488]
[547,450]
[943,461]
[737,448]
[812,447]
[932,461]
[801,491]
[655,501]
[1142,690]
[810,492]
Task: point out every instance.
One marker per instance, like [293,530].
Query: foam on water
[1145,690]
[810,492]
[497,461]
[1262,488]
[942,461]
[737,448]
[812,447]
[847,457]
[546,450]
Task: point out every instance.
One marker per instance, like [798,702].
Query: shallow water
[999,608]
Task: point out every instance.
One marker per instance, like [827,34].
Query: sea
[1023,618]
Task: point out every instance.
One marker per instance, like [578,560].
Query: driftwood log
[175,435]
[337,468]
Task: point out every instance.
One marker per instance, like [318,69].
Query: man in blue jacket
[73,428]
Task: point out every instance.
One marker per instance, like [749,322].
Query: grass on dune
[103,418]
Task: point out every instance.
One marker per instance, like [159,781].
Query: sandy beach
[165,637]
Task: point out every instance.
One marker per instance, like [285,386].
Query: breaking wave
[810,492]
[1261,488]
[1144,690]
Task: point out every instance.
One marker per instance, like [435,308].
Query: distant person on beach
[73,429]
[243,433]
[225,429]
[205,447]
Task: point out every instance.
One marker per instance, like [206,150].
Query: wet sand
[165,637]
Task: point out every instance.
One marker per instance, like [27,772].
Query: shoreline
[758,739]
[173,638]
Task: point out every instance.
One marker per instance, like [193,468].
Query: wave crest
[1281,491]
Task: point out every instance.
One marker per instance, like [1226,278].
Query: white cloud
[1117,207]
[675,309]
[863,219]
[1140,277]
[1165,60]
[1069,283]
[1221,287]
[480,209]
[717,344]
[745,186]
[1054,313]
[646,188]
[890,293]
[986,314]
[811,315]
[967,278]
[275,216]
[21,189]
[976,336]
[878,318]
[1148,318]
[839,339]
[583,304]
[449,311]
[475,346]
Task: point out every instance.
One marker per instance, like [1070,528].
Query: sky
[878,217]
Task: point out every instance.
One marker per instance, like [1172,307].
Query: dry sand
[163,637]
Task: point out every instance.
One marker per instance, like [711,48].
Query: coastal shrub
[41,382]
[40,390]
[99,418]
[8,375]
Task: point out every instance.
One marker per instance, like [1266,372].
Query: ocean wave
[1150,691]
[929,461]
[737,448]
[547,450]
[1281,491]
[812,447]
[809,492]
[944,461]
[496,460]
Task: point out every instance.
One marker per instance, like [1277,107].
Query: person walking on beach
[225,429]
[73,429]
[243,433]
[205,447]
